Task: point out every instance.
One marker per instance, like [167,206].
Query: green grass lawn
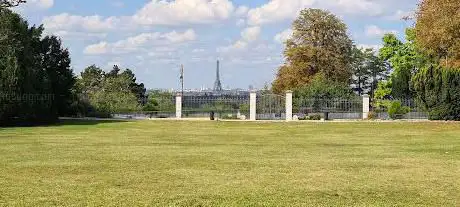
[160,163]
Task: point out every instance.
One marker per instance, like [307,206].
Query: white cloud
[77,35]
[141,41]
[375,31]
[97,49]
[241,11]
[240,22]
[280,10]
[250,34]
[66,21]
[237,46]
[156,12]
[358,7]
[283,36]
[277,10]
[160,12]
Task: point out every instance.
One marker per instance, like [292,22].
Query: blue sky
[154,37]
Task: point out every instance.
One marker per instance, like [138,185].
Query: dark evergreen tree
[35,75]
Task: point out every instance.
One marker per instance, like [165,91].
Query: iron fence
[332,108]
[271,107]
[381,108]
[221,106]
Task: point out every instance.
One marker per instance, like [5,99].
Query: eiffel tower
[217,84]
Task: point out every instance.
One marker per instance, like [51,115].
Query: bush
[314,117]
[438,90]
[229,117]
[396,110]
[372,115]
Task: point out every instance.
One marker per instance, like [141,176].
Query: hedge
[438,90]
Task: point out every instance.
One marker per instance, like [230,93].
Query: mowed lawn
[166,163]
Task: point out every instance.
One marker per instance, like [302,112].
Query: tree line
[38,85]
[323,62]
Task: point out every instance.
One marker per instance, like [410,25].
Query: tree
[91,79]
[138,89]
[321,88]
[437,28]
[319,44]
[368,70]
[109,93]
[35,74]
[160,102]
[56,62]
[438,91]
[405,60]
[10,3]
[114,72]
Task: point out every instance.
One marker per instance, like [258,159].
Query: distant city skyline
[153,38]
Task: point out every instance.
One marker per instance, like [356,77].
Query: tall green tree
[91,79]
[104,94]
[320,44]
[368,70]
[138,89]
[405,60]
[56,62]
[35,72]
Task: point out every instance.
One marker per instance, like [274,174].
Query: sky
[154,37]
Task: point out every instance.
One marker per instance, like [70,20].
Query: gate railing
[266,106]
[271,107]
[414,111]
[329,108]
[263,106]
[226,107]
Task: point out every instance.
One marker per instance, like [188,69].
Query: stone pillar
[252,106]
[288,105]
[366,106]
[179,106]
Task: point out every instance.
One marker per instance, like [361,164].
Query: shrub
[229,117]
[372,115]
[314,117]
[438,91]
[396,110]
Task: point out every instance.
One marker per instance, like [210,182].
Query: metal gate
[333,108]
[271,107]
[222,106]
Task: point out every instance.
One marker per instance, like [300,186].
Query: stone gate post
[179,106]
[288,105]
[252,106]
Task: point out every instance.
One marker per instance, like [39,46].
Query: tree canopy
[405,60]
[368,70]
[320,44]
[35,76]
[10,3]
[437,28]
[107,93]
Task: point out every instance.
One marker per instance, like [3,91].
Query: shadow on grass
[87,122]
[64,122]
